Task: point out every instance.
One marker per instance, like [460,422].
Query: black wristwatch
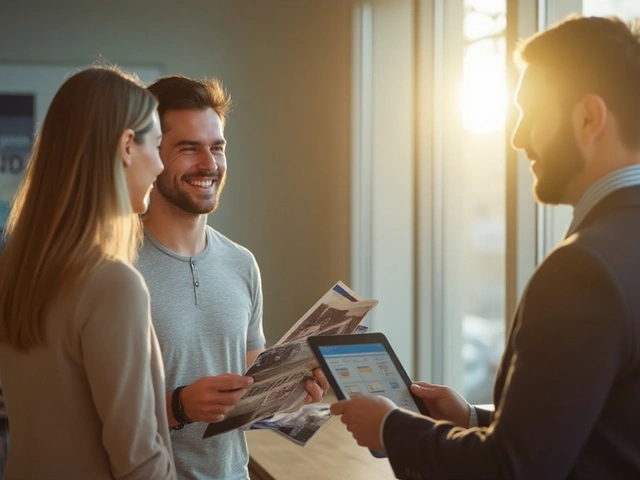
[176,409]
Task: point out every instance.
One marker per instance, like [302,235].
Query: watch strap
[176,409]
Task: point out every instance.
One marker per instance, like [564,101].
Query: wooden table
[332,453]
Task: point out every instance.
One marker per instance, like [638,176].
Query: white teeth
[201,183]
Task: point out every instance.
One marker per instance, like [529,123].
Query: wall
[287,65]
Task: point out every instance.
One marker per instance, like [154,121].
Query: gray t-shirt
[207,312]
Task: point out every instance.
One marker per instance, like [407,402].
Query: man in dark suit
[567,394]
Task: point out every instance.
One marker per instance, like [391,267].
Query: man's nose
[518,137]
[210,162]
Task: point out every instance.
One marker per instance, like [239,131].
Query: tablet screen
[367,369]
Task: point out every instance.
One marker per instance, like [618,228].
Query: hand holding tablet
[364,364]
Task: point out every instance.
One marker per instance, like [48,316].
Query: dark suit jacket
[567,393]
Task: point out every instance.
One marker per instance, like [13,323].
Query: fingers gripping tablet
[364,364]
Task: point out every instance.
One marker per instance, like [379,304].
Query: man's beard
[562,162]
[181,199]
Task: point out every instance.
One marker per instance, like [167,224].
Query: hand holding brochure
[280,373]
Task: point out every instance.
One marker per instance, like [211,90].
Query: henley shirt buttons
[193,263]
[197,284]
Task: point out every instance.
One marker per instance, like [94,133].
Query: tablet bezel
[317,341]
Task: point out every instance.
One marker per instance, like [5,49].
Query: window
[474,205]
[625,9]
[428,213]
[445,230]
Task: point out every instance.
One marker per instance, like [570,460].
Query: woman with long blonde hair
[79,360]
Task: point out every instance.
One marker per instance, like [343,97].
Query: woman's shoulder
[113,292]
[115,277]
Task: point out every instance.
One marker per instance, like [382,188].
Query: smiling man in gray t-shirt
[206,295]
[207,311]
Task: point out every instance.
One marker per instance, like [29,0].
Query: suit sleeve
[117,338]
[568,346]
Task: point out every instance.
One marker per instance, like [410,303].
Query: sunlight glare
[483,96]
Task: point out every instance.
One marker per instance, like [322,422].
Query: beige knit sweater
[91,405]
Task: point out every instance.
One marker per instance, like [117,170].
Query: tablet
[364,364]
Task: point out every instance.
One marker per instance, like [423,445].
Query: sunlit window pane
[478,179]
[625,9]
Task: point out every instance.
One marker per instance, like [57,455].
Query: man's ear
[125,145]
[590,118]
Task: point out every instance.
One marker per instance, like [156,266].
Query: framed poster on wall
[17,121]
[25,94]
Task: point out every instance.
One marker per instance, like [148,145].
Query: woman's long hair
[73,210]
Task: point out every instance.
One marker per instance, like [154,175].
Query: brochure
[280,373]
[297,427]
